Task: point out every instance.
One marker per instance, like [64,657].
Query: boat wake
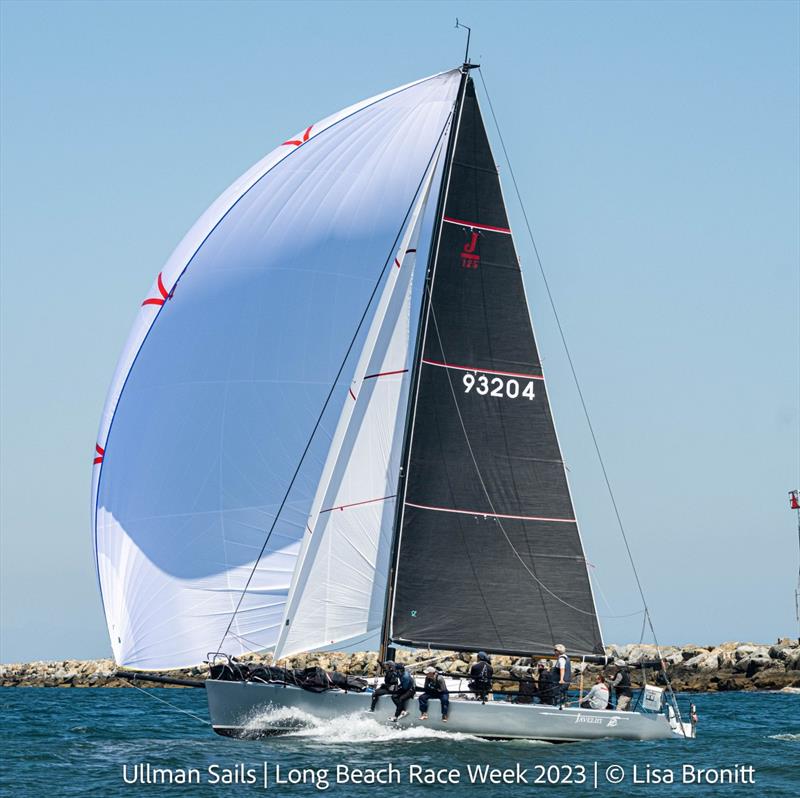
[788,737]
[357,727]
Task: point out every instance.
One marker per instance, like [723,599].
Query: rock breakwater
[691,668]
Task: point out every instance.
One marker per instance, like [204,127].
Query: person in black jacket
[405,690]
[544,683]
[622,686]
[480,675]
[527,686]
[390,680]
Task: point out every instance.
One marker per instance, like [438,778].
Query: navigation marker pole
[794,504]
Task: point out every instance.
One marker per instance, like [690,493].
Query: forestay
[227,369]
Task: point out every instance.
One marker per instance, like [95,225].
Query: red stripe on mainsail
[476,226]
[101,451]
[484,371]
[357,504]
[352,394]
[491,515]
[397,263]
[385,373]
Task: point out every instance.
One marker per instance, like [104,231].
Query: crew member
[405,690]
[434,687]
[480,675]
[622,686]
[597,697]
[389,685]
[544,683]
[562,674]
[527,686]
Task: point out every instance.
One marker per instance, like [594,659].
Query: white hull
[252,709]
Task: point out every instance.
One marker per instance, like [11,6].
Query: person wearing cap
[562,674]
[622,686]
[390,680]
[544,683]
[405,690]
[434,687]
[480,675]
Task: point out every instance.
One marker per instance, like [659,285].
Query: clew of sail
[227,370]
[339,585]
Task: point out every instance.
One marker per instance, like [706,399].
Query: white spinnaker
[226,371]
[339,585]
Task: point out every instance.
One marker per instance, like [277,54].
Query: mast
[414,388]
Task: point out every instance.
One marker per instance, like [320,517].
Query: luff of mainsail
[339,582]
[489,555]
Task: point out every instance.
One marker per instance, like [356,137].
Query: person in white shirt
[597,697]
[562,675]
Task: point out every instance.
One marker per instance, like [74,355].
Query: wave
[359,728]
[356,727]
[789,737]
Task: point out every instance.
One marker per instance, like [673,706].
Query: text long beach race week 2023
[591,774]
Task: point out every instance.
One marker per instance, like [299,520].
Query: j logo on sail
[469,258]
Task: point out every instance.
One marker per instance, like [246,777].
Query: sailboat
[330,424]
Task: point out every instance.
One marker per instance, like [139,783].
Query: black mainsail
[488,553]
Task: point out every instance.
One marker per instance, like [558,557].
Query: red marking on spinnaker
[483,371]
[476,226]
[385,373]
[100,451]
[298,142]
[161,290]
[490,515]
[357,504]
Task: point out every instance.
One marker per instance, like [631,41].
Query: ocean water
[76,742]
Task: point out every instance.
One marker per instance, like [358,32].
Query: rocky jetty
[729,666]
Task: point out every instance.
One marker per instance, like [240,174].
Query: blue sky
[656,147]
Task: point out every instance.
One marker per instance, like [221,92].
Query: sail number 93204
[498,386]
